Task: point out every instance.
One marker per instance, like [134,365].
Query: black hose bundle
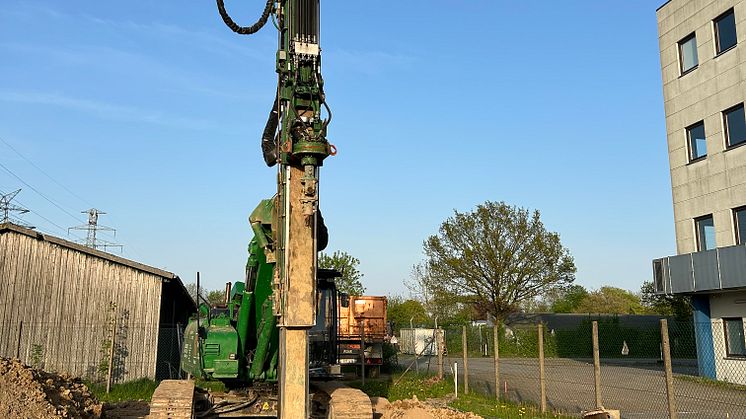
[269,139]
[245,30]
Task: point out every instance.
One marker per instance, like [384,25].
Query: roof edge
[10,227]
[663,5]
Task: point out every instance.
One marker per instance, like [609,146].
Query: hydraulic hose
[269,140]
[245,30]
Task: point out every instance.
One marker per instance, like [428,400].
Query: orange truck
[362,319]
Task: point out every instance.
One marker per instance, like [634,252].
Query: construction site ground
[27,392]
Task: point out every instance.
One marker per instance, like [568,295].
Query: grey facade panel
[733,266]
[660,275]
[680,270]
[705,270]
[712,270]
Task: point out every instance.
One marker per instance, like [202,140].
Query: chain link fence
[116,351]
[656,371]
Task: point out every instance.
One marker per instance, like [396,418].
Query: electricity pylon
[92,228]
[7,208]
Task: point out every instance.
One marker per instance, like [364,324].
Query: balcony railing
[710,270]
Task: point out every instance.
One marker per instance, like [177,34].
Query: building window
[688,53]
[735,343]
[739,222]
[705,233]
[695,135]
[725,31]
[735,126]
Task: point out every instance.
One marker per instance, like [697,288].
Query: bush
[390,358]
[522,342]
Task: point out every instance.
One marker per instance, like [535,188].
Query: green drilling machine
[238,341]
[277,328]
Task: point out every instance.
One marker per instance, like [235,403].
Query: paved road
[636,387]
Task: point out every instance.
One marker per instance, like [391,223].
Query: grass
[710,382]
[488,407]
[422,386]
[133,390]
[141,389]
[426,387]
[214,386]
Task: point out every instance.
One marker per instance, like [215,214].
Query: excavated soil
[415,409]
[26,392]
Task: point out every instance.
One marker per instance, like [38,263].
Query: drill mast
[294,139]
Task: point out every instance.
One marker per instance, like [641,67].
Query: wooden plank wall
[63,298]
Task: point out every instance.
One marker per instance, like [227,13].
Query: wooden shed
[62,304]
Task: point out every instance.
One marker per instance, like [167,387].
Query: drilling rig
[259,342]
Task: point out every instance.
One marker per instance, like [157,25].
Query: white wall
[728,305]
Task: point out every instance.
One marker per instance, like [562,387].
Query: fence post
[18,345]
[455,379]
[414,348]
[596,365]
[111,354]
[362,350]
[542,381]
[465,350]
[496,344]
[672,413]
[439,337]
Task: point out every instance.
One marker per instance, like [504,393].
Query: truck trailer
[363,320]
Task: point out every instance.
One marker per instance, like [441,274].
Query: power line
[68,190]
[62,229]
[45,173]
[50,177]
[38,192]
[7,208]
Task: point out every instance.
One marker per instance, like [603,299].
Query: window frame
[689,147]
[716,35]
[728,145]
[696,231]
[725,336]
[736,231]
[679,44]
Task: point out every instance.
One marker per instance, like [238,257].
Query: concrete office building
[703,65]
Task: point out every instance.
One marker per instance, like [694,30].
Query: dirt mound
[415,409]
[27,392]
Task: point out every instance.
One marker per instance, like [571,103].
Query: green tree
[569,299]
[216,297]
[679,306]
[192,290]
[400,311]
[611,300]
[498,256]
[448,308]
[346,264]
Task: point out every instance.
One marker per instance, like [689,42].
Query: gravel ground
[415,409]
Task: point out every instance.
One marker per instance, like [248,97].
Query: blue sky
[152,112]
